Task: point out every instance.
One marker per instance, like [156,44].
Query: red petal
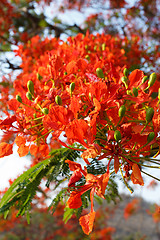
[33,150]
[20,140]
[90,178]
[77,131]
[91,152]
[105,179]
[73,165]
[23,150]
[8,121]
[76,176]
[44,149]
[136,76]
[74,106]
[131,208]
[71,67]
[110,135]
[116,164]
[5,149]
[136,175]
[13,104]
[97,106]
[74,200]
[86,222]
[82,64]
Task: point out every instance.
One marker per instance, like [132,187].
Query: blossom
[96,184]
[131,208]
[79,92]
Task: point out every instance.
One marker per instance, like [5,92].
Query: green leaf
[6,47]
[24,188]
[67,214]
[28,217]
[42,23]
[98,199]
[18,187]
[57,20]
[5,84]
[56,200]
[6,214]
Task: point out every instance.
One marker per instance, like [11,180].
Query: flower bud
[154,95]
[159,94]
[18,98]
[149,114]
[30,87]
[129,92]
[87,57]
[45,111]
[72,87]
[95,48]
[90,96]
[103,46]
[99,73]
[117,136]
[122,111]
[144,79]
[39,77]
[58,100]
[124,80]
[125,72]
[152,79]
[150,137]
[135,92]
[29,95]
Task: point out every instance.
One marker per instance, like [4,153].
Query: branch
[12,66]
[58,30]
[76,26]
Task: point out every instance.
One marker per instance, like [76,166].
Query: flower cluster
[80,91]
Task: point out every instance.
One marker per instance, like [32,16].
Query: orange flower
[97,184]
[156,214]
[136,175]
[5,149]
[91,152]
[131,208]
[86,222]
[22,148]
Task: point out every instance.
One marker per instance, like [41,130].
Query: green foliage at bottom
[53,170]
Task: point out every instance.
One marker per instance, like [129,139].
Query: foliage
[79,105]
[24,187]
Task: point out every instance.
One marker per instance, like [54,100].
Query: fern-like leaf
[24,188]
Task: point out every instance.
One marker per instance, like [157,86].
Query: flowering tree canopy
[82,108]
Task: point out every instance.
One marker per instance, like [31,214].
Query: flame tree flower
[80,95]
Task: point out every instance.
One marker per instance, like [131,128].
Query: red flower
[131,208]
[136,175]
[156,214]
[5,149]
[22,148]
[87,221]
[97,184]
